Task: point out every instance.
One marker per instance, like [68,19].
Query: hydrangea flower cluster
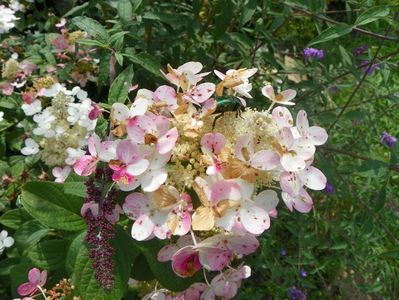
[62,128]
[7,18]
[199,165]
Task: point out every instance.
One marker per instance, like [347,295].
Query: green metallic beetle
[227,104]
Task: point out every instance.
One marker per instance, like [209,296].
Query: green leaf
[77,9]
[146,61]
[75,188]
[381,198]
[89,42]
[119,58]
[126,253]
[331,33]
[92,27]
[47,202]
[372,15]
[7,264]
[86,284]
[73,251]
[19,275]
[15,218]
[125,10]
[29,234]
[136,4]
[120,87]
[392,253]
[225,12]
[248,11]
[163,271]
[49,255]
[103,69]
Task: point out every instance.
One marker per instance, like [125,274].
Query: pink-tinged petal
[254,219]
[215,259]
[318,135]
[267,200]
[142,228]
[286,138]
[250,72]
[268,92]
[153,179]
[186,262]
[265,160]
[166,94]
[313,178]
[202,92]
[228,220]
[191,66]
[120,112]
[208,107]
[184,224]
[288,200]
[304,148]
[34,276]
[288,95]
[167,252]
[127,152]
[161,124]
[292,162]
[136,204]
[94,143]
[223,190]
[282,116]
[162,231]
[138,126]
[244,142]
[139,107]
[166,143]
[219,74]
[304,200]
[128,185]
[273,213]
[158,161]
[85,165]
[26,289]
[213,142]
[138,168]
[92,206]
[108,150]
[225,289]
[242,244]
[290,183]
[302,123]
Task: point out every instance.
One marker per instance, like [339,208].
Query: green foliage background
[348,245]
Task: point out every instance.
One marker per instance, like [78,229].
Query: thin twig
[354,28]
[361,80]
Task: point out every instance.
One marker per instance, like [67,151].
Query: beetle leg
[215,119]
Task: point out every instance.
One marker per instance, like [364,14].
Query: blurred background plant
[341,56]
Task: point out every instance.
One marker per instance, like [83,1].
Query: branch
[354,28]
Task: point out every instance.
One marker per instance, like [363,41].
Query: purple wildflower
[303,273]
[329,189]
[333,89]
[283,252]
[360,50]
[388,140]
[100,228]
[296,294]
[367,69]
[313,53]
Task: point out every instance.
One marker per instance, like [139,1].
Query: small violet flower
[303,273]
[313,53]
[360,50]
[296,294]
[388,140]
[329,189]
